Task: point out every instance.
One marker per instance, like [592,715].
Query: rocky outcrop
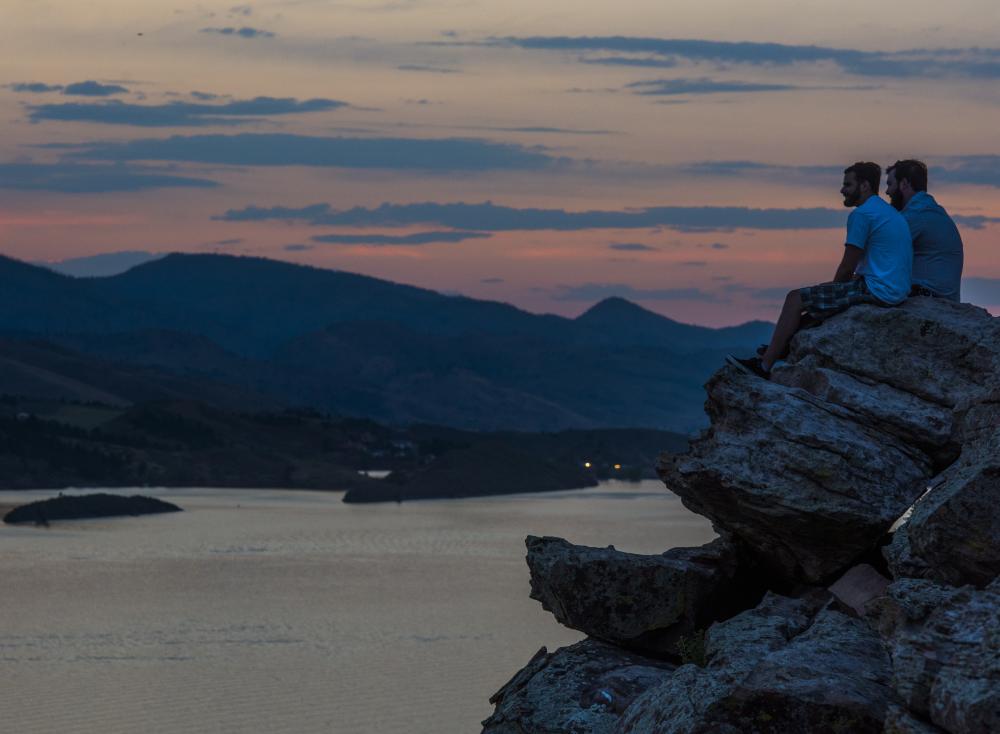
[805,484]
[874,410]
[953,535]
[945,649]
[581,688]
[778,668]
[646,602]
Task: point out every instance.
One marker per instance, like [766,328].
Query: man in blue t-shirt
[937,246]
[875,267]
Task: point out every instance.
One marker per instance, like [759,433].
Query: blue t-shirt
[937,247]
[883,234]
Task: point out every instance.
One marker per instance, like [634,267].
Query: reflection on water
[288,611]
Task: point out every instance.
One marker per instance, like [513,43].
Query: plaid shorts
[826,299]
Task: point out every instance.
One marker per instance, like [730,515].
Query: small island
[77,507]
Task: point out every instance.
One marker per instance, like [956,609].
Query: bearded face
[893,192]
[851,190]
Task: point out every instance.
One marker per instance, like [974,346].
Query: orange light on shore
[617,467]
[586,465]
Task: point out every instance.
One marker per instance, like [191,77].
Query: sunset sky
[684,155]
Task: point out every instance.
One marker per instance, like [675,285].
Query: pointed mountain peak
[617,307]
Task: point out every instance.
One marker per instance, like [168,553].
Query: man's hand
[845,271]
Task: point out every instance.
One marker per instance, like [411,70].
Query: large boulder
[917,422]
[953,534]
[945,649]
[781,667]
[645,602]
[941,352]
[806,484]
[579,689]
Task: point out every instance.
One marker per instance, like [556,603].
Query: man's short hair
[867,171]
[913,171]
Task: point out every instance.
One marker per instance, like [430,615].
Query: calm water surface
[288,611]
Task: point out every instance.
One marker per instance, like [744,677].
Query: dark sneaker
[752,366]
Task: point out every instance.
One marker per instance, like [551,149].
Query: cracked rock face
[810,468]
[937,351]
[639,601]
[580,689]
[781,667]
[945,649]
[953,535]
[804,483]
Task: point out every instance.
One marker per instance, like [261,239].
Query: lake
[289,611]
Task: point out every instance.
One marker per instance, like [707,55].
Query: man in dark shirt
[937,245]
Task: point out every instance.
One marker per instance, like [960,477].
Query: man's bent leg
[788,324]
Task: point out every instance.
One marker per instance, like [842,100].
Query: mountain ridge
[356,345]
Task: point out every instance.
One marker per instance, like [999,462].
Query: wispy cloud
[428,69]
[93,89]
[644,62]
[976,63]
[754,292]
[974,221]
[599,291]
[985,291]
[669,87]
[495,218]
[443,154]
[982,170]
[979,170]
[417,238]
[179,114]
[75,178]
[34,87]
[631,247]
[244,32]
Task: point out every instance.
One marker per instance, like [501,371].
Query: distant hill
[54,444]
[95,266]
[269,332]
[621,322]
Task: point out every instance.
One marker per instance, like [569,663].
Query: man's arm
[845,271]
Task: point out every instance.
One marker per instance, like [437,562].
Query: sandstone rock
[774,669]
[805,484]
[580,689]
[945,649]
[642,602]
